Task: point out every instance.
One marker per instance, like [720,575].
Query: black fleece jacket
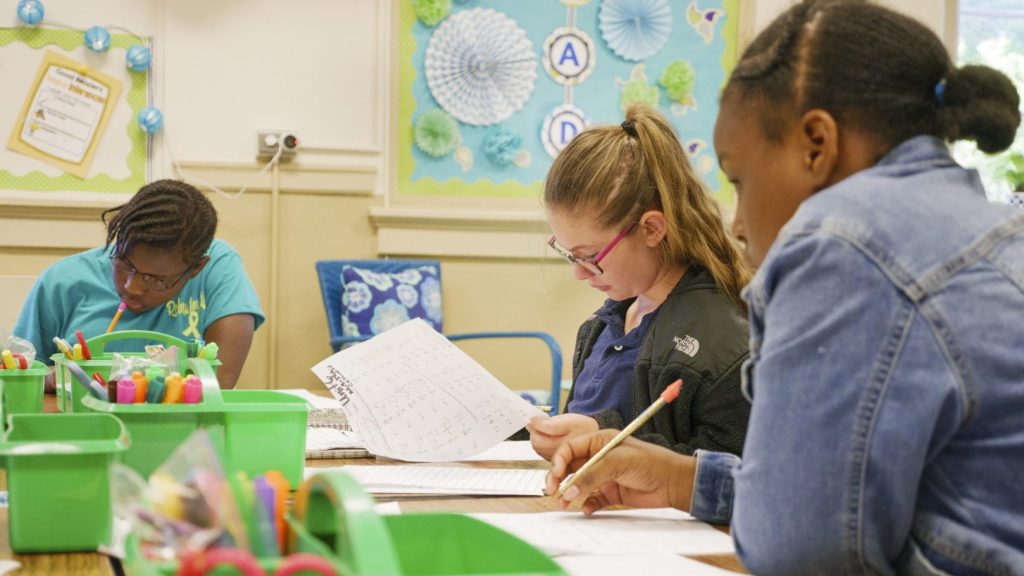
[698,335]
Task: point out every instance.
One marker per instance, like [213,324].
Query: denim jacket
[887,378]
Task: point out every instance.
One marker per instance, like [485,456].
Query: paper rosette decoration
[635,29]
[436,134]
[480,66]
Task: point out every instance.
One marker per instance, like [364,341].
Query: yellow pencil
[666,397]
[117,316]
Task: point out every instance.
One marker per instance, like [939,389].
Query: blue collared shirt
[606,380]
[887,379]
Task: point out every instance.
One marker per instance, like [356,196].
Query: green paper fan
[436,133]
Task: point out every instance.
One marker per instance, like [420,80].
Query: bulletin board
[505,149]
[121,158]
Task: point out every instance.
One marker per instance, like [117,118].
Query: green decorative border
[407,109]
[37,38]
[484,188]
[725,195]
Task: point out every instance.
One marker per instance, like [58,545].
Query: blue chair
[379,280]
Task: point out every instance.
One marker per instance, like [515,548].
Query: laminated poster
[64,115]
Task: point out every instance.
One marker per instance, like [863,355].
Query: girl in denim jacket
[886,372]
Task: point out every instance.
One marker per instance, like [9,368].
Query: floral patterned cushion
[373,301]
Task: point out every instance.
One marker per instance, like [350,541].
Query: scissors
[207,561]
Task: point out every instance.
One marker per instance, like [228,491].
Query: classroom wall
[224,70]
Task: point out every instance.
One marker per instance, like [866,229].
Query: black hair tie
[629,128]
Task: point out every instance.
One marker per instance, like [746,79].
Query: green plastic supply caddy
[23,390]
[58,478]
[333,517]
[263,429]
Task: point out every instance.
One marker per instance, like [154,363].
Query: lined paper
[314,400]
[508,451]
[329,439]
[634,531]
[447,481]
[647,564]
[413,395]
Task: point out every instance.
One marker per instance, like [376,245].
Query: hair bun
[985,106]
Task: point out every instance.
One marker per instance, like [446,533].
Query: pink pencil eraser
[672,391]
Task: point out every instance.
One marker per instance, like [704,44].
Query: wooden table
[85,563]
[499,504]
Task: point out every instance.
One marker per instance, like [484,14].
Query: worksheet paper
[330,439]
[634,531]
[314,400]
[446,481]
[507,451]
[647,564]
[412,395]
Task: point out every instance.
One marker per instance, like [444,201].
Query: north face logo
[688,345]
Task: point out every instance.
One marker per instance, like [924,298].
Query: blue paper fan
[480,66]
[635,29]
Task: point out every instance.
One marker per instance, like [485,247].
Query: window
[991,32]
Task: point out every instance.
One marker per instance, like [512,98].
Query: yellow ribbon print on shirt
[179,307]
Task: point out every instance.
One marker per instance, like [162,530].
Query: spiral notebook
[328,433]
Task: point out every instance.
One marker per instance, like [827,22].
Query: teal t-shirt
[77,293]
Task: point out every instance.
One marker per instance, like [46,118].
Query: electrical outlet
[268,141]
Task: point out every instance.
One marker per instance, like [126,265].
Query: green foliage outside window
[992,33]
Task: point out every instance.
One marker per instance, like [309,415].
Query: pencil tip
[672,391]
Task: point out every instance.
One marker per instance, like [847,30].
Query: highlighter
[9,362]
[64,347]
[157,387]
[264,502]
[141,384]
[85,347]
[125,391]
[281,488]
[193,390]
[175,389]
[91,386]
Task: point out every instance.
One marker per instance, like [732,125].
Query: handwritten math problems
[413,395]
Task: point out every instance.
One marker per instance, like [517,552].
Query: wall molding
[437,232]
[356,179]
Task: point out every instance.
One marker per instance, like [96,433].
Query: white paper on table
[330,439]
[413,395]
[314,400]
[387,508]
[507,451]
[653,531]
[646,564]
[442,480]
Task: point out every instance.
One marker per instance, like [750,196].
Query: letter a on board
[568,54]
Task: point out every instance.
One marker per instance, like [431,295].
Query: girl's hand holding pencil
[635,473]
[610,468]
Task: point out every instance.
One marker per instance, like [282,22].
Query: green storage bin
[333,517]
[263,429]
[58,477]
[70,393]
[23,392]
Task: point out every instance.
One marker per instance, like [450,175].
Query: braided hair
[874,70]
[166,214]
